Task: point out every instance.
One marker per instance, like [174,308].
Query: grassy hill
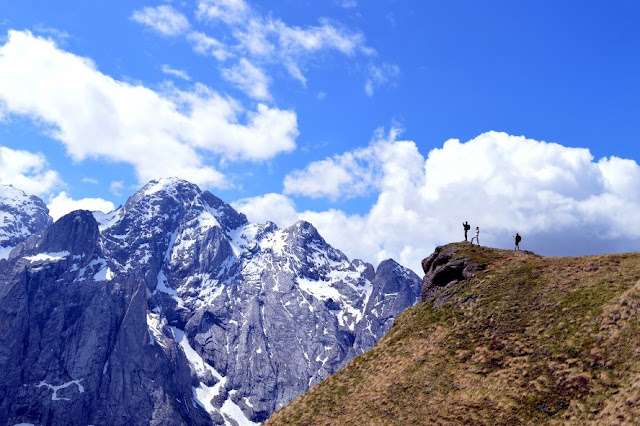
[528,340]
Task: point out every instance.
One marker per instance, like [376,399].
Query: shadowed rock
[443,268]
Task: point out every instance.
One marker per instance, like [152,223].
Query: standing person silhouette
[518,239]
[466,227]
[476,236]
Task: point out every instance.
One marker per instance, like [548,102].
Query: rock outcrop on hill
[444,268]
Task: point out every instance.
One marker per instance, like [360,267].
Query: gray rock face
[21,215]
[75,347]
[174,309]
[443,268]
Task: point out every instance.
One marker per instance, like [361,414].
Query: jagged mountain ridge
[260,313]
[501,337]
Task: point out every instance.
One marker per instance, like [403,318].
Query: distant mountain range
[174,309]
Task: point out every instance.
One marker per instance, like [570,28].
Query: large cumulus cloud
[562,200]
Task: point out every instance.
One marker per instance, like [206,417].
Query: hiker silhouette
[466,227]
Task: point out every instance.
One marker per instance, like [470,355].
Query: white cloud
[294,71]
[157,133]
[62,204]
[229,11]
[174,72]
[332,178]
[353,173]
[90,180]
[249,79]
[276,208]
[559,199]
[253,38]
[621,177]
[324,36]
[206,45]
[163,19]
[213,125]
[380,75]
[27,171]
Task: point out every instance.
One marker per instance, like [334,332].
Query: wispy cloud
[391,19]
[380,75]
[205,45]
[57,34]
[174,72]
[90,180]
[326,36]
[258,39]
[347,4]
[163,19]
[249,79]
[228,11]
[272,41]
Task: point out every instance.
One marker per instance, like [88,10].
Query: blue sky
[337,111]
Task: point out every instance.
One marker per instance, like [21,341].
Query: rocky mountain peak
[76,232]
[169,200]
[20,216]
[165,188]
[304,233]
[305,228]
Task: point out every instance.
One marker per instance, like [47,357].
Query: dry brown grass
[529,340]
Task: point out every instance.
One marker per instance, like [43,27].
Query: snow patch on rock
[48,257]
[55,389]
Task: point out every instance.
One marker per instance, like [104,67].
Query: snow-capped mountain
[175,309]
[21,215]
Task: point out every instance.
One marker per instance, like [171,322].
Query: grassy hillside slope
[529,340]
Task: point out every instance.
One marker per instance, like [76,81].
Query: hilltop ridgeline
[501,337]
